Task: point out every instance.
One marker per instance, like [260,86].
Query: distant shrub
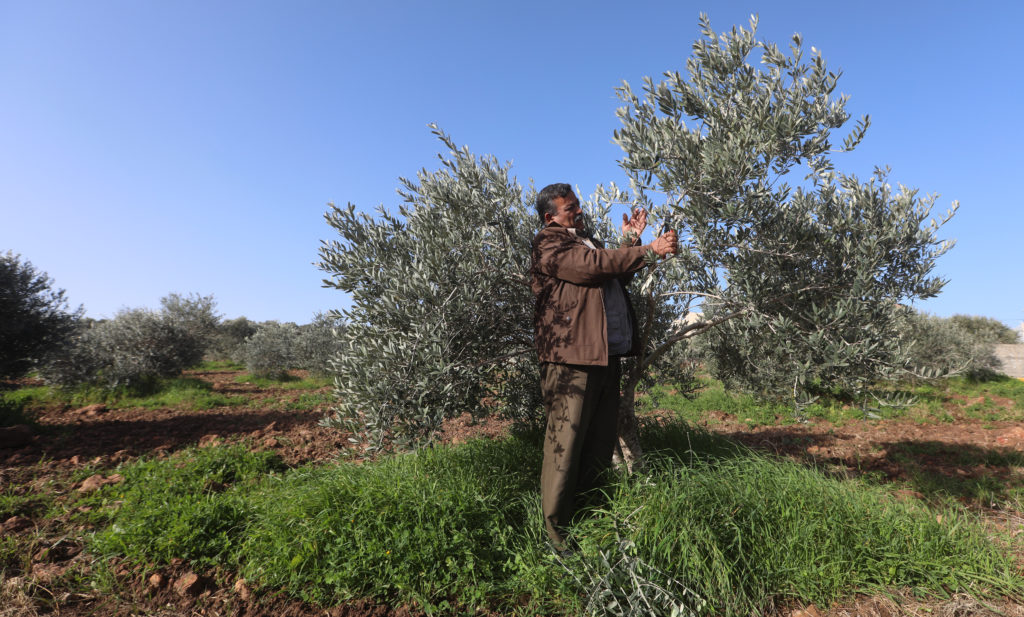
[34,317]
[959,345]
[985,329]
[135,347]
[195,314]
[317,344]
[229,337]
[271,351]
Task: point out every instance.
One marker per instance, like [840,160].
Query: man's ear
[548,218]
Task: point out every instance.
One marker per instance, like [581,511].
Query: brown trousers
[582,404]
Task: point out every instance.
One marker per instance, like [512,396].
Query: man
[583,324]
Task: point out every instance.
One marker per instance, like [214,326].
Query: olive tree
[196,314]
[440,322]
[34,316]
[800,281]
[800,277]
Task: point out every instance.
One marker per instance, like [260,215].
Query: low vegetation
[735,512]
[717,527]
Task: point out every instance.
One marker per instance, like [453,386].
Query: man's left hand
[635,224]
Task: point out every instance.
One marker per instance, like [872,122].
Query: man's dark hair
[547,194]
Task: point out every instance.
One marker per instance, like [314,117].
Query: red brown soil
[68,439]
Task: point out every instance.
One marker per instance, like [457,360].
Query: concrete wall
[1012,357]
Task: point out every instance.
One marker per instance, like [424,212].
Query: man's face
[567,212]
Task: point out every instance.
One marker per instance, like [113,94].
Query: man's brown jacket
[567,277]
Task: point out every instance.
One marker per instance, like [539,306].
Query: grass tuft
[285,382]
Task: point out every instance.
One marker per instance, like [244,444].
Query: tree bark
[629,452]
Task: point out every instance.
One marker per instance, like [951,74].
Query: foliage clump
[131,350]
[317,344]
[801,279]
[196,314]
[34,316]
[957,345]
[271,350]
[229,337]
[136,347]
[440,322]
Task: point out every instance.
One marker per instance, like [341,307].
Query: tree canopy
[34,316]
[801,277]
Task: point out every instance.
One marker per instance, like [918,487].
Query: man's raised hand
[636,223]
[666,243]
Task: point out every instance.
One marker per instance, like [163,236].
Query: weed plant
[709,528]
[12,409]
[194,507]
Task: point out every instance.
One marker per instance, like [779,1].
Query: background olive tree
[136,347]
[800,277]
[34,316]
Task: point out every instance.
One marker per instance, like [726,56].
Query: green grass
[992,478]
[455,528]
[305,401]
[220,365]
[953,391]
[287,382]
[742,528]
[177,392]
[932,402]
[184,393]
[193,506]
[12,409]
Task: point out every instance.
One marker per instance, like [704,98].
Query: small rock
[188,585]
[809,611]
[16,436]
[75,460]
[209,440]
[156,580]
[15,523]
[242,589]
[90,484]
[1011,436]
[92,411]
[97,481]
[46,572]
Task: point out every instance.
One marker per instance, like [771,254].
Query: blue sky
[157,147]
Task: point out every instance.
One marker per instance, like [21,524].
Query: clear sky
[192,146]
